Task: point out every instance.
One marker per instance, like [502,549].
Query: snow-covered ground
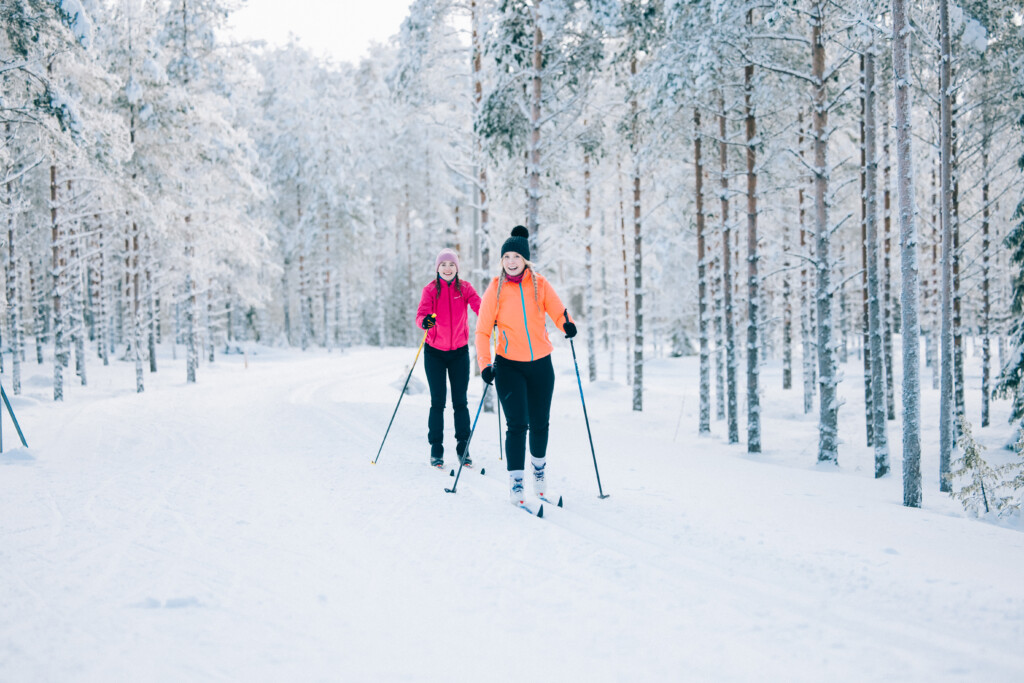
[236,530]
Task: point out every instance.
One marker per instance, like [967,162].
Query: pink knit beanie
[447,254]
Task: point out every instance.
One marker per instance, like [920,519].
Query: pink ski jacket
[452,329]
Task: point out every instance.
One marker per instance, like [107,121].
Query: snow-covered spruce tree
[544,52]
[1010,383]
[983,490]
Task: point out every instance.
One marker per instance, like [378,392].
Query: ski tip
[452,473]
[540,510]
[483,470]
[559,501]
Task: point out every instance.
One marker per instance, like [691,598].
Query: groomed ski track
[236,530]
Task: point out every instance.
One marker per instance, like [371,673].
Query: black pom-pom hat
[519,242]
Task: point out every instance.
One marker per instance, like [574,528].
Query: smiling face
[447,270]
[513,263]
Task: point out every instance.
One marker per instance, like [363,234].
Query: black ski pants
[442,368]
[524,389]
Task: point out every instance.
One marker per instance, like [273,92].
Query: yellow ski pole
[404,386]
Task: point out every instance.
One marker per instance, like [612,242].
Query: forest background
[796,180]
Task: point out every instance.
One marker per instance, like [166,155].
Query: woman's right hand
[429,321]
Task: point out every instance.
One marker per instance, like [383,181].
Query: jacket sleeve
[426,305]
[485,324]
[472,298]
[553,306]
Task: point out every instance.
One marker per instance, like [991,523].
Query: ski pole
[501,454]
[501,449]
[465,453]
[601,493]
[404,386]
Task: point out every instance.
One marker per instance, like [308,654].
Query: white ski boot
[517,495]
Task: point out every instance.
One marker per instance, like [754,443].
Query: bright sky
[343,29]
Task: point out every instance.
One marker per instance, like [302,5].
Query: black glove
[429,321]
[570,329]
[487,374]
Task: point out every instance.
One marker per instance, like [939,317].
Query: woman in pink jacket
[447,352]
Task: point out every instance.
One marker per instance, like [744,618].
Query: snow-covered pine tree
[909,295]
[754,351]
[865,299]
[704,424]
[878,414]
[946,406]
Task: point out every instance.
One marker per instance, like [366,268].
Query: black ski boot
[460,449]
[437,456]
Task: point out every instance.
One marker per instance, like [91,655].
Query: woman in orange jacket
[513,307]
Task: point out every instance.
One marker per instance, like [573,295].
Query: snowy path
[236,530]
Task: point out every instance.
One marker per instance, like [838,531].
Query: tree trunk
[58,319]
[704,426]
[935,290]
[828,408]
[718,298]
[878,415]
[625,274]
[958,334]
[78,299]
[136,309]
[946,440]
[13,319]
[533,198]
[986,246]
[865,299]
[191,310]
[638,292]
[808,351]
[787,311]
[588,227]
[888,314]
[753,282]
[152,317]
[908,257]
[730,332]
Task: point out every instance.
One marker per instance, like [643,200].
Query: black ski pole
[404,386]
[601,494]
[465,453]
[501,450]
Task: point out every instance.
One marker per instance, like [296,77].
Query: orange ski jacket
[518,313]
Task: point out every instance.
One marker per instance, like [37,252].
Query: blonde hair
[504,276]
